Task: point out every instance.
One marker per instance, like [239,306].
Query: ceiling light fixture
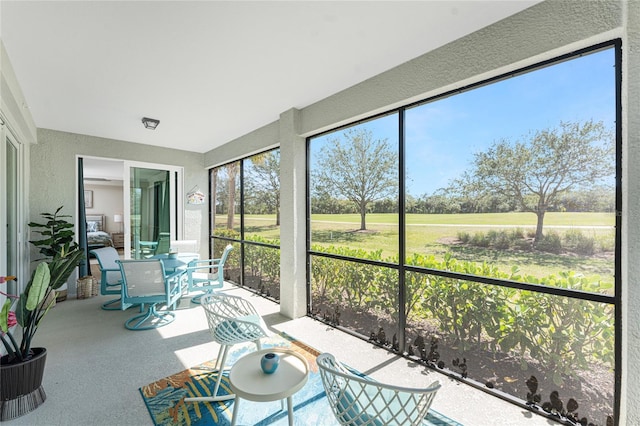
[150,123]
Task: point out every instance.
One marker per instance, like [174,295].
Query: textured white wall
[251,143]
[16,120]
[293,217]
[12,102]
[107,200]
[53,174]
[630,294]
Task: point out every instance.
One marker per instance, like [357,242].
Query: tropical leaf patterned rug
[165,398]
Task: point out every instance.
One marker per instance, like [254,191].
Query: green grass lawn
[515,218]
[437,234]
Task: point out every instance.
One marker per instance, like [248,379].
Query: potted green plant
[22,367]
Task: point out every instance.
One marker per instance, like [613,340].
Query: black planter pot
[21,385]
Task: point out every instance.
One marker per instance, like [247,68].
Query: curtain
[161,211]
[165,213]
[84,268]
[157,210]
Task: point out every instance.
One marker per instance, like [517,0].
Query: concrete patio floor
[95,366]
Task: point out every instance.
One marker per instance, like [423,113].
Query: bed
[96,237]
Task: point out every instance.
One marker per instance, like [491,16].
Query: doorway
[140,203]
[11,236]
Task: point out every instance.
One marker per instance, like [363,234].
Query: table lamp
[117,218]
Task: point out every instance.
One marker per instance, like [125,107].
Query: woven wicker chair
[232,320]
[356,400]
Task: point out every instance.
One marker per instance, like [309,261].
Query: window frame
[402,268]
[241,241]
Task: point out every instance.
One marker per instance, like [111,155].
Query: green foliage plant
[63,256]
[359,168]
[563,335]
[57,234]
[464,237]
[550,242]
[537,172]
[263,262]
[575,240]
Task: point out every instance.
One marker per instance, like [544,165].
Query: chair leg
[196,299]
[115,305]
[207,289]
[220,371]
[152,316]
[107,305]
[219,365]
[224,349]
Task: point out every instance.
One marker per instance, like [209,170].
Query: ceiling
[212,71]
[101,171]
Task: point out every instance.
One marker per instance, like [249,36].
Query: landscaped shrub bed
[572,241]
[560,339]
[495,335]
[261,263]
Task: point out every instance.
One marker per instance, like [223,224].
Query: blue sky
[443,135]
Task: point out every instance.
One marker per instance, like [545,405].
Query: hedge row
[562,333]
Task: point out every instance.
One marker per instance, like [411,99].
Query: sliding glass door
[11,212]
[154,198]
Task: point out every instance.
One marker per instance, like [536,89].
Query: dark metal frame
[242,241]
[402,268]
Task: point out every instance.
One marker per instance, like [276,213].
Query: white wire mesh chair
[356,400]
[232,320]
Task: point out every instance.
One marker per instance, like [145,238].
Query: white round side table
[248,381]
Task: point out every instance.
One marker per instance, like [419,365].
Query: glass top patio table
[171,264]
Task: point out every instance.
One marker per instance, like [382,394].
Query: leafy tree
[232,173]
[358,168]
[535,173]
[263,182]
[224,197]
[440,203]
[596,199]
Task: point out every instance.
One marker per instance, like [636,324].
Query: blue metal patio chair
[110,276]
[144,282]
[164,243]
[206,275]
[232,320]
[356,400]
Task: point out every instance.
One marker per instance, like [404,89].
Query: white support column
[293,275]
[630,393]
